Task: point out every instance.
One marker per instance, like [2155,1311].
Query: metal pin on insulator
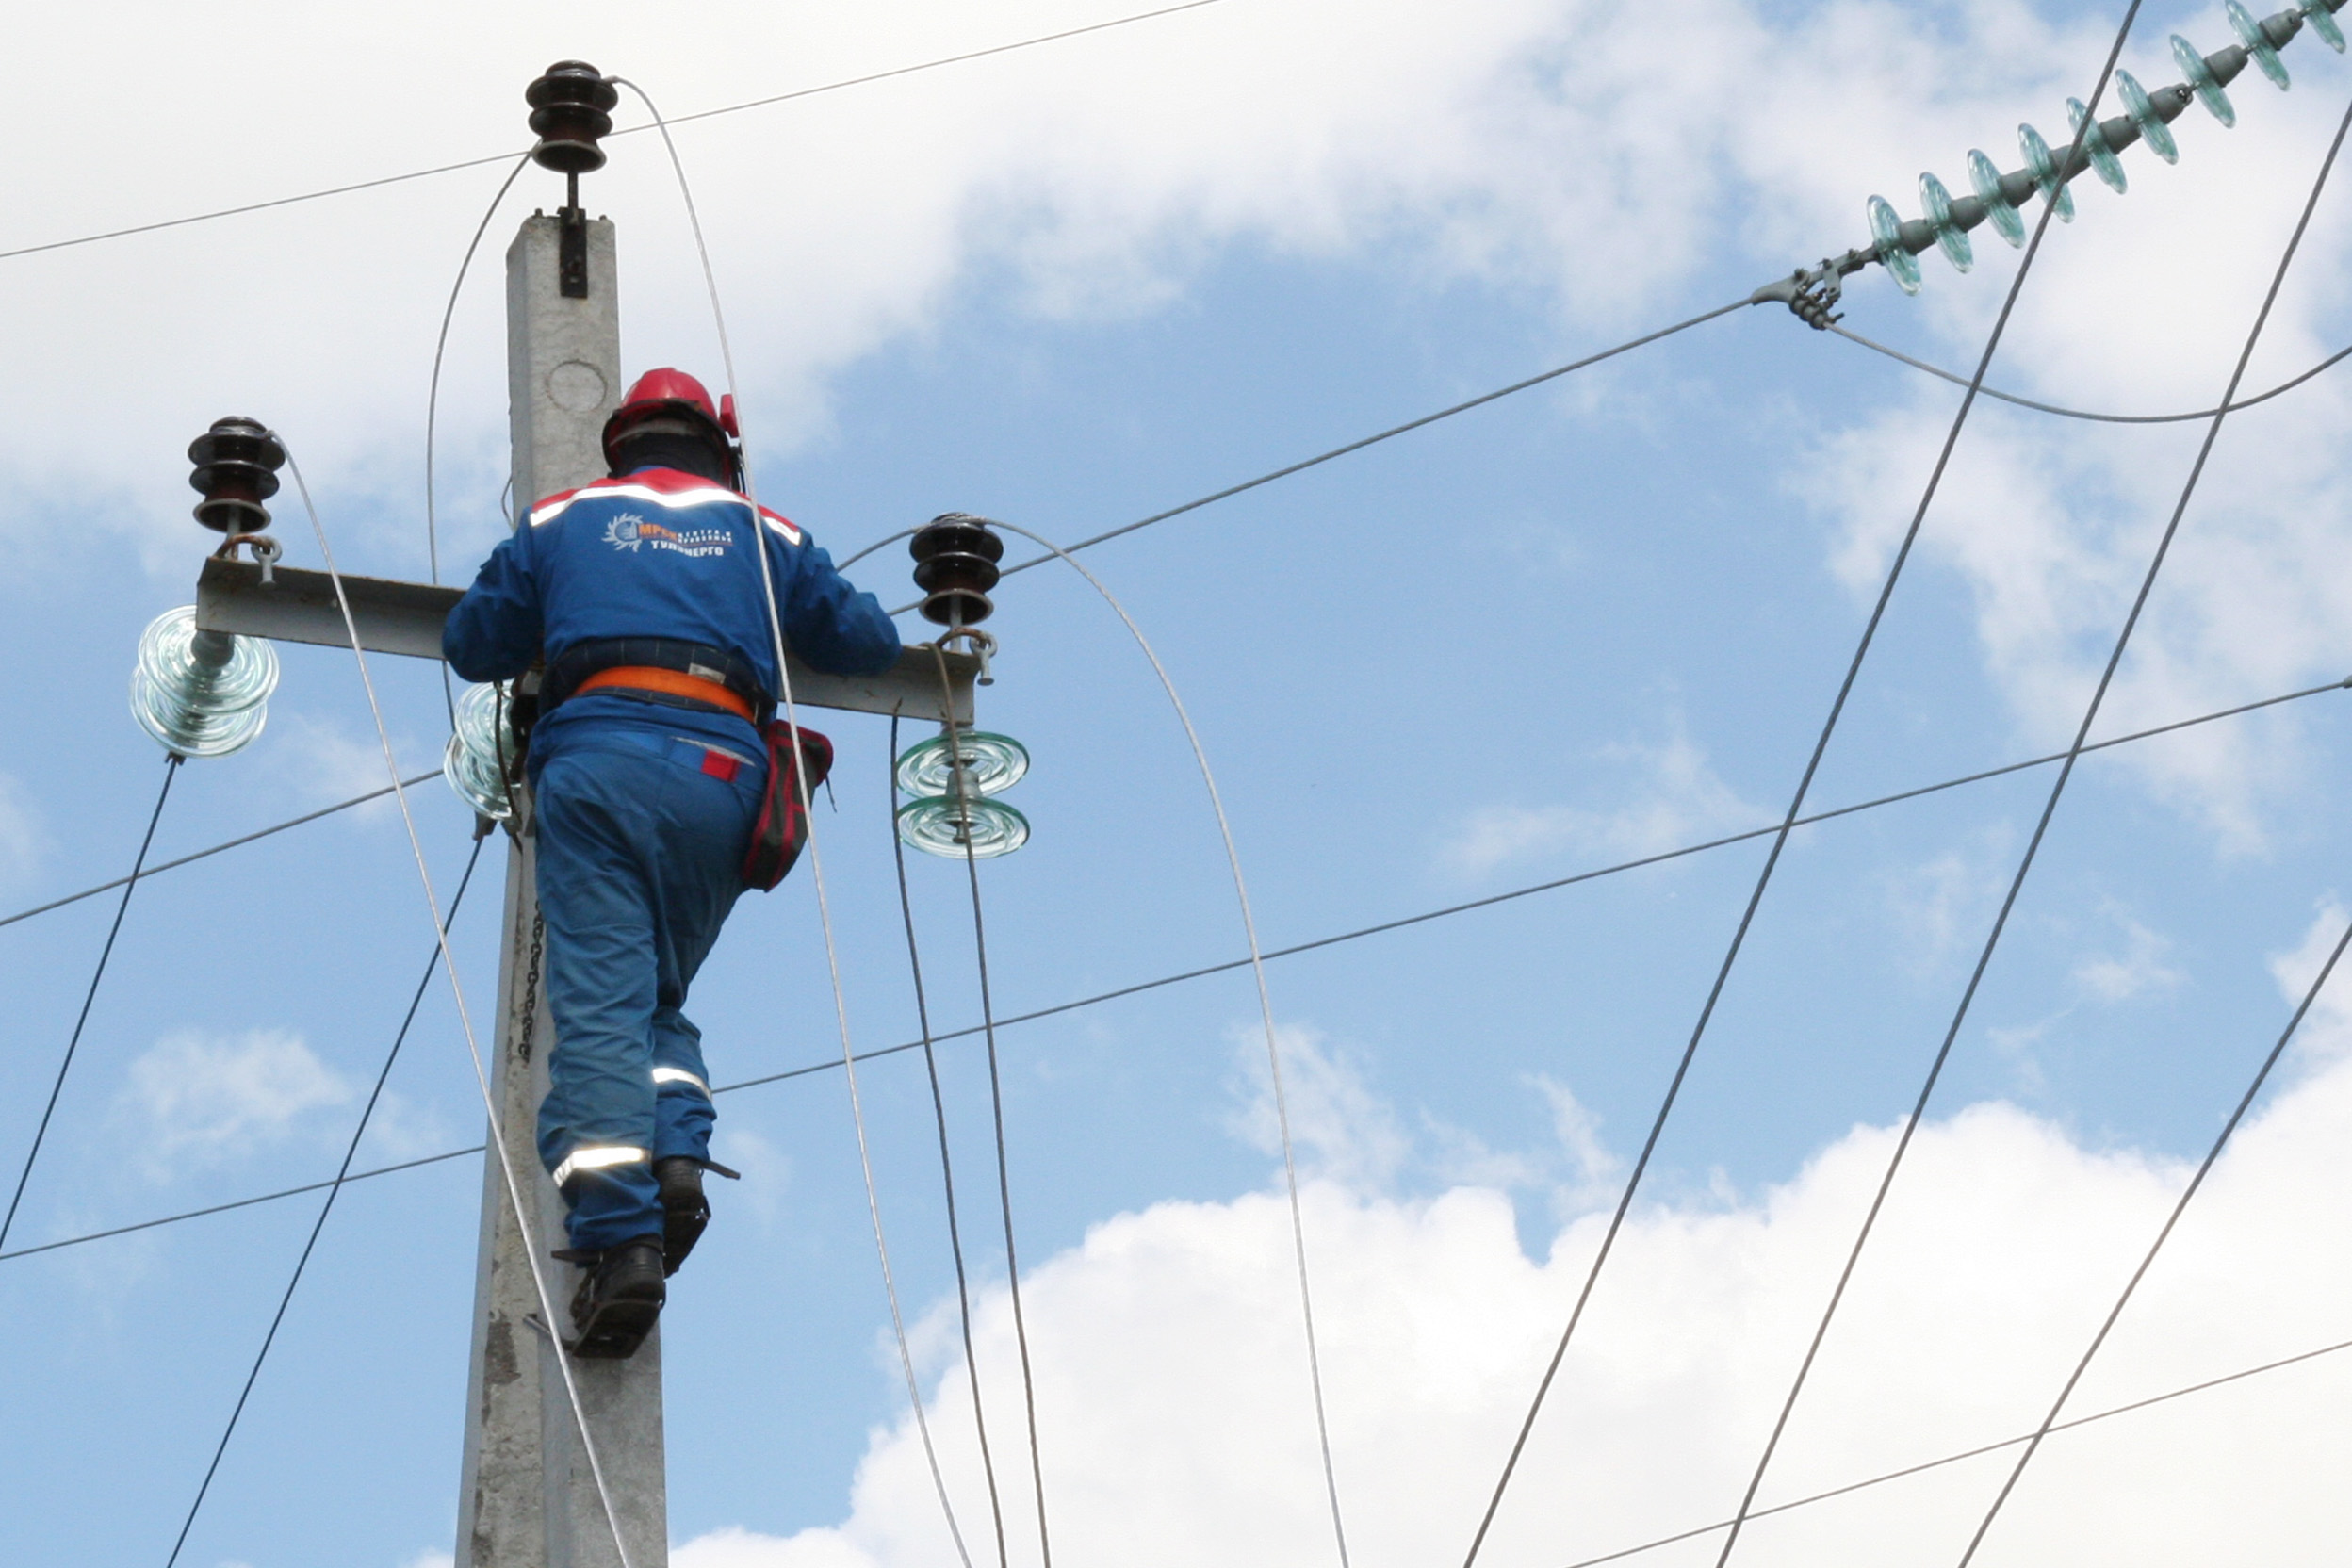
[237,470]
[955,557]
[571,111]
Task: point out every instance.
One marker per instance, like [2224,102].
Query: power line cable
[947,1164]
[1910,1470]
[815,849]
[334,1191]
[1938,371]
[464,1017]
[701,114]
[2212,1156]
[1796,804]
[2041,829]
[65,1065]
[204,854]
[996,1096]
[1265,1013]
[1357,445]
[1313,945]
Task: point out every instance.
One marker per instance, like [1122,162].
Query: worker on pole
[662,787]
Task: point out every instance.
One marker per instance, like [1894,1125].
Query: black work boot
[619,1299]
[684,1209]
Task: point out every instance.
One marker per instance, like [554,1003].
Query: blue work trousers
[641,841]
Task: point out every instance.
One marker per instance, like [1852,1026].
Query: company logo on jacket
[665,490]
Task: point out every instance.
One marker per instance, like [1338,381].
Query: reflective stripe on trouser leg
[593,1157]
[678,1075]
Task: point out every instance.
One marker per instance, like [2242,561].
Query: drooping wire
[433,399]
[996,1101]
[1356,446]
[2041,829]
[1312,945]
[1977,1452]
[2213,1155]
[1938,371]
[464,1017]
[1265,1010]
[334,1190]
[2261,1074]
[816,856]
[65,1065]
[701,114]
[947,1165]
[1796,804]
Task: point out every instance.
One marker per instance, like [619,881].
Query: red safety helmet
[670,392]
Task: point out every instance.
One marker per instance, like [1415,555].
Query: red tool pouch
[777,837]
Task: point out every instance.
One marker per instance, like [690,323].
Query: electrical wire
[630,130]
[1265,1010]
[1796,804]
[1356,446]
[1310,946]
[996,1103]
[2041,829]
[947,1165]
[1910,1470]
[464,1017]
[2284,386]
[201,853]
[334,1191]
[2212,1156]
[65,1065]
[815,851]
[432,405]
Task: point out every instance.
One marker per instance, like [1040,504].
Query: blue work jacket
[659,553]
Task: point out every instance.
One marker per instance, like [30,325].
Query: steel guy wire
[2212,1156]
[1977,1452]
[1313,945]
[2063,412]
[464,1017]
[1356,446]
[701,114]
[996,1096]
[334,1191]
[1265,1010]
[947,1164]
[2041,829]
[1796,804]
[201,853]
[816,859]
[171,771]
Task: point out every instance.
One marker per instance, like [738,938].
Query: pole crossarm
[292,605]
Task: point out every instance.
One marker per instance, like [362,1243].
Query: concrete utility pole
[529,1499]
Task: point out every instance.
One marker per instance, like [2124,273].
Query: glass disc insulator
[2104,161]
[2152,128]
[2043,165]
[1888,230]
[1985,179]
[2201,78]
[1936,202]
[991,763]
[953,828]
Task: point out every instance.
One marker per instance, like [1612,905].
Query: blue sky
[1076,285]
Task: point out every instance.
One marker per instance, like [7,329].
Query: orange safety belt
[675,683]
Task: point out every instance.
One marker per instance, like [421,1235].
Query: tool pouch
[777,837]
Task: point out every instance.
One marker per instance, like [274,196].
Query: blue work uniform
[643,809]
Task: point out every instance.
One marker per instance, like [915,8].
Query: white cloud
[2138,971]
[1339,1127]
[1677,800]
[199,1098]
[2326,1032]
[430,1558]
[1173,1406]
